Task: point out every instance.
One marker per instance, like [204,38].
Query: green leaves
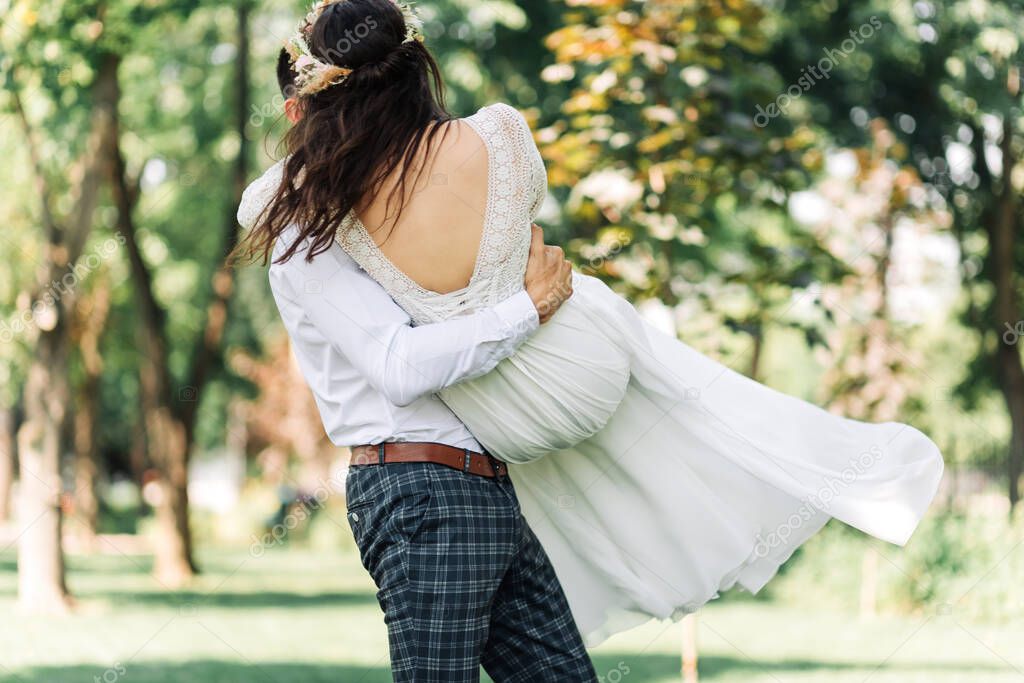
[657,138]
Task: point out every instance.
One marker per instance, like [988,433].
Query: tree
[7,442]
[47,394]
[871,365]
[72,57]
[170,416]
[88,324]
[671,188]
[948,78]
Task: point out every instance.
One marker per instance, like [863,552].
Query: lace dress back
[516,186]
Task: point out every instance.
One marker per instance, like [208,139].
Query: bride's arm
[333,299]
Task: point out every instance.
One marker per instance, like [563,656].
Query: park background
[824,195]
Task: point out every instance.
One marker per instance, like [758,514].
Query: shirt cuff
[518,314]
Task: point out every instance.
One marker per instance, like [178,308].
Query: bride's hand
[548,278]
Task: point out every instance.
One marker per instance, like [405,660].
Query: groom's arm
[342,304]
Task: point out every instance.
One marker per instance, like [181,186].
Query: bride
[654,476]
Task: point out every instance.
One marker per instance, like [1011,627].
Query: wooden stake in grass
[869,583]
[690,648]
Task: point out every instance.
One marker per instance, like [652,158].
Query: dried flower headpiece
[313,75]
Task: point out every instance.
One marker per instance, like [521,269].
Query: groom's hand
[548,278]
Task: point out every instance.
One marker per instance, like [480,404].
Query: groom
[462,580]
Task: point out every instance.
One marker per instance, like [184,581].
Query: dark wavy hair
[352,135]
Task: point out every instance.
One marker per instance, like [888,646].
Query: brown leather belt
[482,464]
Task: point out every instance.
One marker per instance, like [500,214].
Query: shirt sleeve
[364,324]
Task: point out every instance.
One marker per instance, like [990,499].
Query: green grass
[293,615]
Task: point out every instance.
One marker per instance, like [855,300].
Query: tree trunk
[41,586]
[90,321]
[87,469]
[757,352]
[42,436]
[7,427]
[222,283]
[165,434]
[170,418]
[1001,228]
[138,461]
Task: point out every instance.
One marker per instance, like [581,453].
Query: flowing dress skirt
[656,477]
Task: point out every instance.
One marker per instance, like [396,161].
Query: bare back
[463,239]
[437,237]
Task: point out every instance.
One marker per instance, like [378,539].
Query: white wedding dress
[654,476]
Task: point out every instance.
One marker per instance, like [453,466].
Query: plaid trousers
[462,580]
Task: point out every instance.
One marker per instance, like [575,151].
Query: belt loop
[465,465]
[380,452]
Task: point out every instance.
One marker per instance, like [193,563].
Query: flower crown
[313,75]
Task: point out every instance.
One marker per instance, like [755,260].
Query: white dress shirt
[372,373]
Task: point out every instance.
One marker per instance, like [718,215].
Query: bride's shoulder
[500,116]
[258,194]
[499,110]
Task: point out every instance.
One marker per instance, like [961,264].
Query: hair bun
[398,60]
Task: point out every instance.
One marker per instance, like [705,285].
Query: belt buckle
[499,468]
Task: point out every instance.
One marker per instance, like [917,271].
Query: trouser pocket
[364,487]
[386,505]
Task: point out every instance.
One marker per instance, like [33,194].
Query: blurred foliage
[957,563]
[947,76]
[670,188]
[666,180]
